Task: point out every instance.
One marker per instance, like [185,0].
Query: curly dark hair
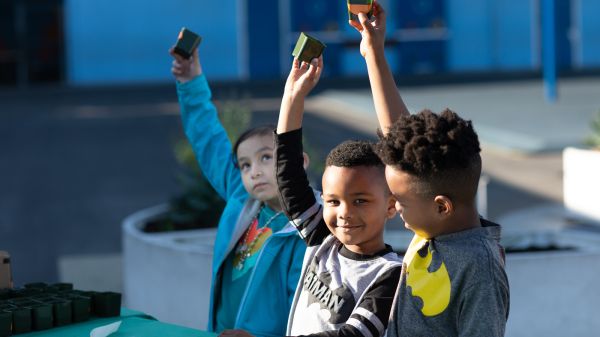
[440,150]
[352,153]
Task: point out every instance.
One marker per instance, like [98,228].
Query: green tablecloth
[134,323]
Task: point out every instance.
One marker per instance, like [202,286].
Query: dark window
[31,41]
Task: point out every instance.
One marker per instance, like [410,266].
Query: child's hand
[185,70]
[372,30]
[303,77]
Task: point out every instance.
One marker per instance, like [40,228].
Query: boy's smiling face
[356,206]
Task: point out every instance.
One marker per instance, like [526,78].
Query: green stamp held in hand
[359,6]
[187,41]
[307,48]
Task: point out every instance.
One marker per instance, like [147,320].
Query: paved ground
[510,115]
[74,163]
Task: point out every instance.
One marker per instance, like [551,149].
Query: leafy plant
[593,139]
[199,205]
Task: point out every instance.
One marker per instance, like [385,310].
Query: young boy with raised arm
[349,274]
[453,281]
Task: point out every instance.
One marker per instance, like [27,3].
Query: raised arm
[203,128]
[388,103]
[296,196]
[302,79]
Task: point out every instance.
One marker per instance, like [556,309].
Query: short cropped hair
[258,131]
[440,150]
[353,153]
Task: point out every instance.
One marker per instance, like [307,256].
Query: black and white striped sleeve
[295,194]
[373,312]
[371,316]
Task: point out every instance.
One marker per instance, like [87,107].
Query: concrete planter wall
[581,182]
[167,275]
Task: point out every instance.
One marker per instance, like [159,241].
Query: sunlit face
[356,206]
[416,210]
[255,160]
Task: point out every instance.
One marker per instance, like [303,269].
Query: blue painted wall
[512,36]
[263,39]
[470,46]
[127,41]
[320,16]
[490,35]
[590,32]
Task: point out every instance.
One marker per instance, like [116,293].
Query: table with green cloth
[133,323]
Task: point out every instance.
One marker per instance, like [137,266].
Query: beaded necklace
[244,248]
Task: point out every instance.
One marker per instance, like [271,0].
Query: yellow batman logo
[432,287]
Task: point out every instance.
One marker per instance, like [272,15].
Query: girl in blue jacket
[258,254]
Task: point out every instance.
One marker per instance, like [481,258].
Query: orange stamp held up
[359,6]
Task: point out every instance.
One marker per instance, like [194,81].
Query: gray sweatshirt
[452,285]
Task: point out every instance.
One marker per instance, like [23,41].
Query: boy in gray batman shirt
[453,285]
[452,281]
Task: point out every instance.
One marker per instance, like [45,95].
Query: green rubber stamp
[307,48]
[187,41]
[359,6]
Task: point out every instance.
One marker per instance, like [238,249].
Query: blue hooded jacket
[265,305]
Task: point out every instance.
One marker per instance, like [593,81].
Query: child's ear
[306,160]
[444,205]
[391,207]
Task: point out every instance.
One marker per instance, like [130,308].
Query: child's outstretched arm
[202,127]
[302,79]
[297,198]
[388,103]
